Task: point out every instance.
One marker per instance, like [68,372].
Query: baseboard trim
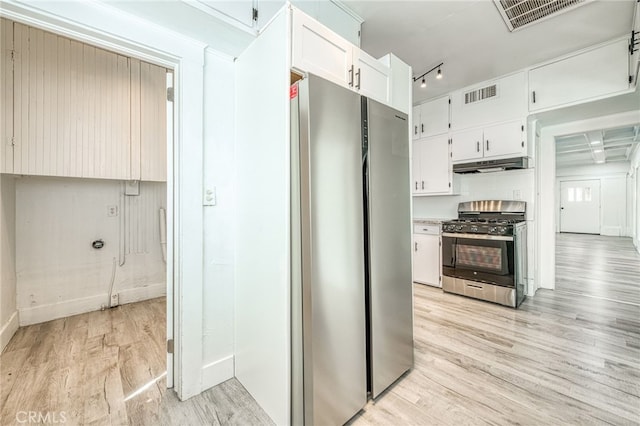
[67,308]
[8,329]
[217,372]
[138,294]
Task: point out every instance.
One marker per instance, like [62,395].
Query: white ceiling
[469,36]
[608,145]
[473,41]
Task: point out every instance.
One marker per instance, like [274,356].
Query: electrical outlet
[115,299]
[112,211]
[209,197]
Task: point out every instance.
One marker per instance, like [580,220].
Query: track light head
[424,83]
[439,76]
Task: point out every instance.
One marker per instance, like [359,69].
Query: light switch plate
[209,198]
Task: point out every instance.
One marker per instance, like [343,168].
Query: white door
[318,50]
[417,183]
[371,77]
[435,165]
[426,259]
[467,145]
[504,140]
[580,206]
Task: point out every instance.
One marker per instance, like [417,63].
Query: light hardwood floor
[107,368]
[562,358]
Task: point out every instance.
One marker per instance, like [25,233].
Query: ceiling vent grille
[520,13]
[480,94]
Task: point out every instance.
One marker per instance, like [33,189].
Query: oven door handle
[479,236]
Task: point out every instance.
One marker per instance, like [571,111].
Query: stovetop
[494,226]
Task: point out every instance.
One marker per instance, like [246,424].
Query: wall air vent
[520,13]
[480,94]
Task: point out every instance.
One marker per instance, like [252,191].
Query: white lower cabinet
[491,142]
[426,259]
[432,171]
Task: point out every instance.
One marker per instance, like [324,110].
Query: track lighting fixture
[422,77]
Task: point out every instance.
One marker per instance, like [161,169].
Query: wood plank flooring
[108,368]
[598,266]
[562,358]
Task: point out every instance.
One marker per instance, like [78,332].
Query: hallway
[598,266]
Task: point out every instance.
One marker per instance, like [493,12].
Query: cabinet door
[435,164]
[596,72]
[416,171]
[504,140]
[318,50]
[426,259]
[72,111]
[434,117]
[415,119]
[6,96]
[153,122]
[371,78]
[467,145]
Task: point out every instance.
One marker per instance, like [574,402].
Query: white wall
[613,194]
[8,310]
[488,186]
[219,220]
[262,295]
[59,273]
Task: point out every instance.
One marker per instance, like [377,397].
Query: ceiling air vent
[480,94]
[520,13]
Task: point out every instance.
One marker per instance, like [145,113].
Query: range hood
[492,165]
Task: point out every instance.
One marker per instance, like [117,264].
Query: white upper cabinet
[491,142]
[489,102]
[596,72]
[431,118]
[318,50]
[467,145]
[432,170]
[634,60]
[371,78]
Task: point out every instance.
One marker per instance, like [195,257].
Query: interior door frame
[559,198]
[93,23]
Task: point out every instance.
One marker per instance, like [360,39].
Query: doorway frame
[545,178]
[94,23]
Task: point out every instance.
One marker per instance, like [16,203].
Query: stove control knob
[473,228]
[459,228]
[500,229]
[493,230]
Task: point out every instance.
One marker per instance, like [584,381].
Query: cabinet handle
[416,185]
[478,146]
[415,246]
[422,184]
[415,130]
[487,144]
[422,128]
[358,79]
[351,76]
[534,96]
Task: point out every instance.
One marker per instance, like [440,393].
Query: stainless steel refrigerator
[352,330]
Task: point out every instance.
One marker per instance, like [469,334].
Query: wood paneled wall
[71,109]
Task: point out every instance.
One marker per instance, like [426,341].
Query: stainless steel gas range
[484,251]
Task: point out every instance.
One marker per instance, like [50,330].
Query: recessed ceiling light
[597,150]
[595,142]
[599,161]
